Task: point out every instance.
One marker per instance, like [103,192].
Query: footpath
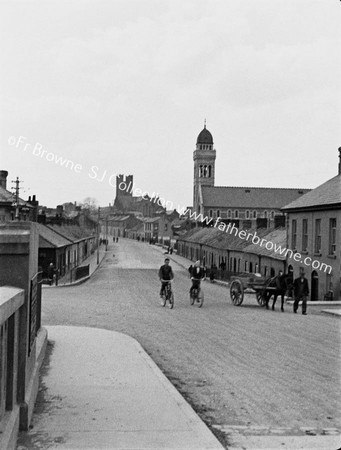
[185,263]
[100,390]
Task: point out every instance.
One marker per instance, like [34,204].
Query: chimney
[3,178]
[339,160]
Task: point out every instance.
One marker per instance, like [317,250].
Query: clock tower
[204,165]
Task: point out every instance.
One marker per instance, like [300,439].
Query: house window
[209,171]
[211,212]
[317,236]
[246,266]
[265,214]
[254,214]
[247,214]
[332,236]
[272,215]
[218,212]
[304,235]
[293,234]
[229,213]
[236,214]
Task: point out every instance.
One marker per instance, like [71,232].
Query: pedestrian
[301,291]
[113,239]
[117,239]
[51,273]
[281,287]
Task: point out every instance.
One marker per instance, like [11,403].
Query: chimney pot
[3,178]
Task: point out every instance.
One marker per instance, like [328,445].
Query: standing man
[301,291]
[281,286]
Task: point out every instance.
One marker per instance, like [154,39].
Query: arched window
[229,213]
[236,214]
[265,214]
[209,171]
[218,212]
[272,215]
[247,214]
[254,214]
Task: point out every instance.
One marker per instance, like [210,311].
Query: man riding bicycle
[196,276]
[165,275]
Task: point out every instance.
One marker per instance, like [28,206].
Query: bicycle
[197,295]
[167,294]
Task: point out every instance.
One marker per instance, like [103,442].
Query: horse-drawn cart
[262,287]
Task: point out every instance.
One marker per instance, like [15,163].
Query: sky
[92,89]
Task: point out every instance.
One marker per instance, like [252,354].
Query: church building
[247,207]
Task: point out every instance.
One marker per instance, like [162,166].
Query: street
[241,368]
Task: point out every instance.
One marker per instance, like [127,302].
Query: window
[317,248]
[272,215]
[293,234]
[211,212]
[304,235]
[210,171]
[247,214]
[229,213]
[236,214]
[332,236]
[254,214]
[218,212]
[265,214]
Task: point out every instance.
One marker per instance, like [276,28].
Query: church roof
[327,194]
[249,197]
[205,137]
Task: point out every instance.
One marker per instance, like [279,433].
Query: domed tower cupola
[205,140]
[204,157]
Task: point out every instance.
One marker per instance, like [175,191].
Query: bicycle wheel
[171,300]
[200,298]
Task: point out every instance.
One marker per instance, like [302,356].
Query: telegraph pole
[98,225]
[16,198]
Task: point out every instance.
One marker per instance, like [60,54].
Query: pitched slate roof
[48,238]
[218,239]
[249,197]
[7,197]
[278,237]
[73,233]
[327,194]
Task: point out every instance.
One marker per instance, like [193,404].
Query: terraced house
[314,231]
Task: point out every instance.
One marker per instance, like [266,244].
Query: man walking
[301,291]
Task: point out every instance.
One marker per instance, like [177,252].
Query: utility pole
[16,198]
[106,233]
[98,225]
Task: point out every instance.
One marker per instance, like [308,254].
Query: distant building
[132,200]
[247,207]
[314,231]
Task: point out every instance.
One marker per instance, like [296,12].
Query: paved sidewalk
[100,390]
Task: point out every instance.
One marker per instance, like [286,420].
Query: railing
[11,300]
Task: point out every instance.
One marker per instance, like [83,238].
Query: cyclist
[196,276]
[165,274]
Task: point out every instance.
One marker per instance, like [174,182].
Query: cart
[261,286]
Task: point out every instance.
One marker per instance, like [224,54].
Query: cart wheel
[260,298]
[237,292]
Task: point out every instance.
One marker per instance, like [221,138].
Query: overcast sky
[126,85]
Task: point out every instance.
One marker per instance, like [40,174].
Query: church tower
[204,161]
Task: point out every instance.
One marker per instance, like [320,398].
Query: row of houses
[66,247]
[311,241]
